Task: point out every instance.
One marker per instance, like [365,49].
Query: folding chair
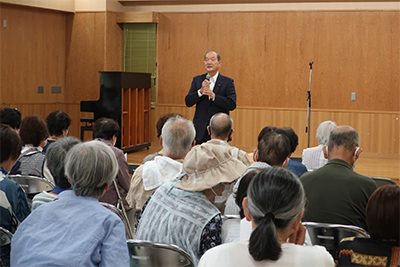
[380,181]
[128,229]
[144,253]
[330,235]
[32,184]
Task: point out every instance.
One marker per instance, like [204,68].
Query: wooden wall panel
[32,54]
[379,132]
[267,53]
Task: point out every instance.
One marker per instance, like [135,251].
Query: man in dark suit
[212,93]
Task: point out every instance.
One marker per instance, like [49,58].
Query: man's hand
[205,89]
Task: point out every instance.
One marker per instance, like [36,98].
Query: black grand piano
[124,97]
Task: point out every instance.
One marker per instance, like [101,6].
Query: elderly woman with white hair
[313,157]
[78,230]
[181,212]
[275,205]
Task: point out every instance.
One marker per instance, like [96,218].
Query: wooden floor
[369,165]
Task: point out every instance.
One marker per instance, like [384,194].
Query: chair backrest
[132,167]
[330,235]
[32,184]
[380,181]
[144,253]
[5,237]
[128,231]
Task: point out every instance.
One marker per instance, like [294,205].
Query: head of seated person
[55,160]
[275,205]
[383,213]
[241,192]
[10,116]
[10,147]
[177,137]
[221,127]
[273,149]
[107,129]
[324,130]
[58,123]
[33,131]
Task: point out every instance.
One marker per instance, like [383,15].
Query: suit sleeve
[228,100]
[193,97]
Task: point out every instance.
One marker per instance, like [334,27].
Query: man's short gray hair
[221,125]
[324,130]
[90,166]
[218,55]
[344,136]
[177,137]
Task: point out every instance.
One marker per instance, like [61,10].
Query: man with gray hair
[177,138]
[313,157]
[335,193]
[75,230]
[220,130]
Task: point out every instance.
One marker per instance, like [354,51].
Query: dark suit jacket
[225,100]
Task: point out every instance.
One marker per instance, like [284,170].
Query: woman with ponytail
[275,205]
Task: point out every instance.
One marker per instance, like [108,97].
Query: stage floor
[369,165]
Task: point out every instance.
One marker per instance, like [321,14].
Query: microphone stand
[309,105]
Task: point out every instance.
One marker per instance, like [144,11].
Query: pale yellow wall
[62,5]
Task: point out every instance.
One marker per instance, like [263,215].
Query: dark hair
[10,116]
[57,121]
[275,200]
[382,213]
[33,130]
[265,130]
[10,144]
[273,149]
[241,192]
[221,125]
[162,120]
[289,133]
[105,128]
[55,159]
[344,136]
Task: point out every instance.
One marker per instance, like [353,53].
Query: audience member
[293,166]
[10,116]
[33,133]
[335,193]
[177,139]
[58,123]
[272,150]
[265,130]
[14,206]
[189,219]
[382,249]
[55,159]
[75,230]
[313,157]
[220,130]
[275,205]
[159,125]
[106,130]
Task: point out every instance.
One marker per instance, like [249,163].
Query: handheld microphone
[312,62]
[208,77]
